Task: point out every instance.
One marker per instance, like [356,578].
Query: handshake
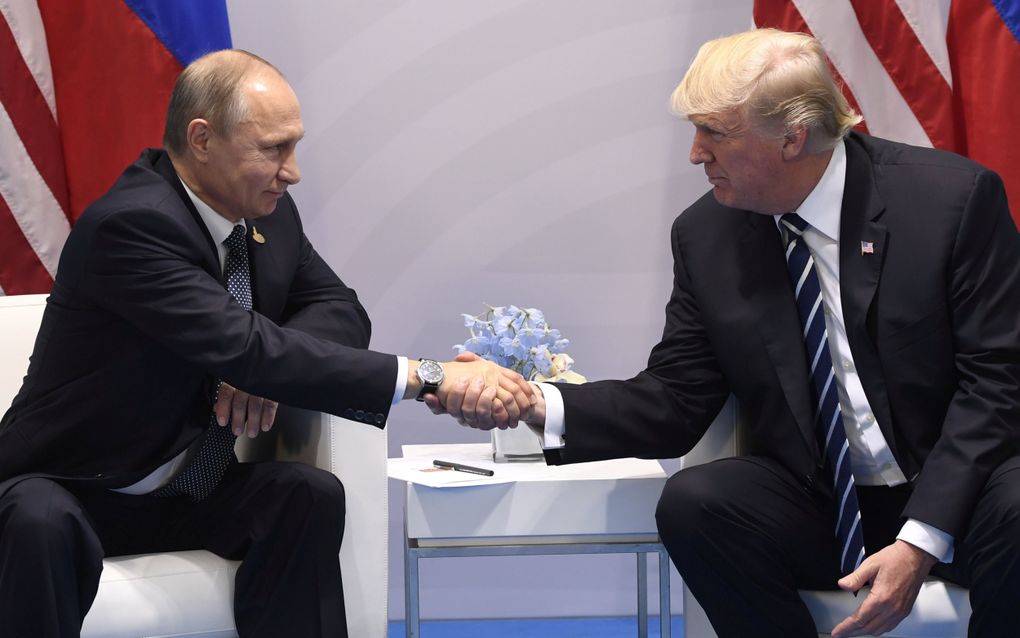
[477,393]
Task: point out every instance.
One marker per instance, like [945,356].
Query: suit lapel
[862,245]
[262,263]
[769,292]
[162,164]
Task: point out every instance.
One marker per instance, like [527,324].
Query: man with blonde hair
[860,299]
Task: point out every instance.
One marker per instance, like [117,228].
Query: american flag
[83,88]
[939,73]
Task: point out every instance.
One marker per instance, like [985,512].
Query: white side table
[587,508]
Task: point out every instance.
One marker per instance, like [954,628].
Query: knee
[38,512]
[681,510]
[318,491]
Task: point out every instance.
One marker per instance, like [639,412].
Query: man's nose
[289,171]
[699,154]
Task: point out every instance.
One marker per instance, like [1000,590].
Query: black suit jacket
[139,328]
[932,316]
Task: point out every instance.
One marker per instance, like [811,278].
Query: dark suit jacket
[139,327]
[932,316]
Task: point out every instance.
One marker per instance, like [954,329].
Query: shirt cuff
[931,539]
[398,393]
[554,416]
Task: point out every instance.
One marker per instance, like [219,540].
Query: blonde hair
[780,81]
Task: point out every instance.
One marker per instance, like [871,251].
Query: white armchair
[942,609]
[191,593]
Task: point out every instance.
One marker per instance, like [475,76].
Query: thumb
[466,356]
[853,581]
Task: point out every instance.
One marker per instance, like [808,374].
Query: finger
[483,409]
[253,419]
[224,399]
[523,395]
[470,404]
[238,411]
[509,408]
[455,399]
[433,404]
[848,627]
[269,409]
[500,417]
[858,578]
[466,356]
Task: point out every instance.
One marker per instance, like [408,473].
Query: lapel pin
[867,248]
[260,238]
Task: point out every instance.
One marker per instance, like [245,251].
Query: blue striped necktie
[828,419]
[201,476]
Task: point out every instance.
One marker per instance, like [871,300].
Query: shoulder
[903,166]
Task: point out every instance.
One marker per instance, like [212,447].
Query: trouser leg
[285,522]
[50,561]
[745,536]
[987,558]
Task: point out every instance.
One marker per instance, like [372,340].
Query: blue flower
[516,338]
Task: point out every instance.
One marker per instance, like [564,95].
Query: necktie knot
[235,240]
[794,223]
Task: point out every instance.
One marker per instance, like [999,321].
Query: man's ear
[795,143]
[198,137]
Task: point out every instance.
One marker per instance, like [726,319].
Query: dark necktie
[201,476]
[828,419]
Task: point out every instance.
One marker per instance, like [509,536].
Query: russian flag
[83,88]
[933,73]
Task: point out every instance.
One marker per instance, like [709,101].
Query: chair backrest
[20,316]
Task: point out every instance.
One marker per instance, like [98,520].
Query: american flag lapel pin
[867,248]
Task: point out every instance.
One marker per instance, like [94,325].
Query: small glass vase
[519,444]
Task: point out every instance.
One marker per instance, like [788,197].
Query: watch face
[430,371]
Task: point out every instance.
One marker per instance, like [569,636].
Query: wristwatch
[430,373]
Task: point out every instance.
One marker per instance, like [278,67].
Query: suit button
[348,413]
[360,415]
[379,418]
[809,483]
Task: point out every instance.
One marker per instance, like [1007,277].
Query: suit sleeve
[664,410]
[320,304]
[981,428]
[140,267]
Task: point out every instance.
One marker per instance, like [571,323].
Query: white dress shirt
[219,228]
[871,458]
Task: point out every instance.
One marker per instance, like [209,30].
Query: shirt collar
[219,226]
[823,206]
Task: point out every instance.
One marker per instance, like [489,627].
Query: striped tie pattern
[206,469]
[828,419]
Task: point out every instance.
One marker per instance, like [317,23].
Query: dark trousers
[284,521]
[745,536]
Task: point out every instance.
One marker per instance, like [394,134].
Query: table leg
[411,611]
[642,595]
[665,617]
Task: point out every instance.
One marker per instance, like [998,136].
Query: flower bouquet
[519,339]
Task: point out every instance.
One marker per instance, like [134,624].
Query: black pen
[463,468]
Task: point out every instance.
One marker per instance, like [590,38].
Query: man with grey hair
[189,301]
[860,299]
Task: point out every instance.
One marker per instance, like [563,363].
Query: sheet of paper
[419,469]
[416,467]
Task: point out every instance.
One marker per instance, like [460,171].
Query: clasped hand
[481,394]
